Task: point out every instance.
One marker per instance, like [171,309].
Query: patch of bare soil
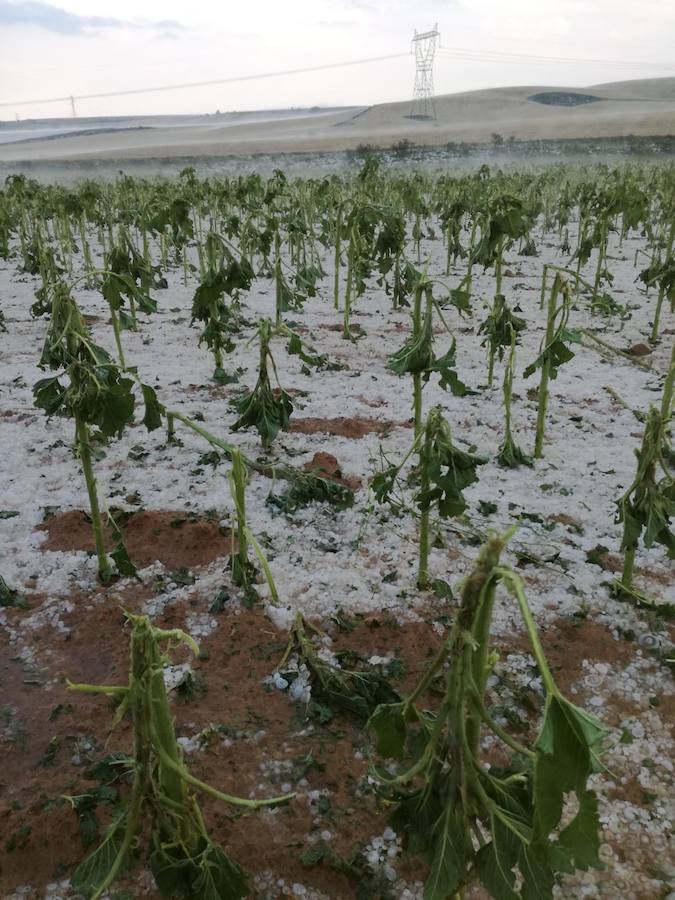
[568,643]
[254,739]
[175,539]
[356,427]
[326,466]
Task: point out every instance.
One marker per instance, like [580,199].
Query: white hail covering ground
[322,559]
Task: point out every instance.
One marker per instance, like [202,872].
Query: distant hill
[642,107]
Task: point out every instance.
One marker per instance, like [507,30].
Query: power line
[504,56]
[463,53]
[194,84]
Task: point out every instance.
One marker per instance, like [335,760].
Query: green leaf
[648,505]
[205,872]
[388,725]
[115,408]
[415,356]
[92,872]
[153,408]
[442,589]
[266,412]
[359,692]
[495,862]
[581,838]
[308,488]
[553,355]
[501,326]
[9,598]
[445,366]
[415,818]
[510,455]
[221,376]
[448,861]
[382,484]
[123,563]
[567,750]
[85,807]
[296,348]
[538,877]
[49,395]
[461,300]
[448,469]
[111,768]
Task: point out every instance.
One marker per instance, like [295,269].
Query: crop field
[336,525]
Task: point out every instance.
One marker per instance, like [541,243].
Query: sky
[76,47]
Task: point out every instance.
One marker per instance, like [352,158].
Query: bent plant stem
[515,585]
[185,776]
[667,399]
[654,336]
[82,433]
[278,279]
[602,250]
[161,779]
[491,366]
[508,387]
[634,360]
[237,479]
[349,286]
[499,261]
[423,566]
[472,242]
[662,290]
[628,568]
[545,373]
[268,470]
[146,657]
[336,274]
[417,376]
[265,566]
[479,662]
[645,508]
[510,453]
[118,340]
[542,295]
[417,402]
[133,822]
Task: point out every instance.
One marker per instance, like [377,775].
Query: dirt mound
[175,539]
[327,466]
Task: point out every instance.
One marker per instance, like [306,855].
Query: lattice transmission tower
[424,46]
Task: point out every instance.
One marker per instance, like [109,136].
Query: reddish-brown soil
[568,642]
[342,426]
[175,539]
[47,724]
[44,727]
[327,466]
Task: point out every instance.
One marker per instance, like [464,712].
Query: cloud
[60,21]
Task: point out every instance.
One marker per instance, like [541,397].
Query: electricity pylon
[423,93]
[73,111]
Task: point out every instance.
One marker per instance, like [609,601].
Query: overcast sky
[90,46]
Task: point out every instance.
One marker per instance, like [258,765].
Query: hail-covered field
[253,724]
